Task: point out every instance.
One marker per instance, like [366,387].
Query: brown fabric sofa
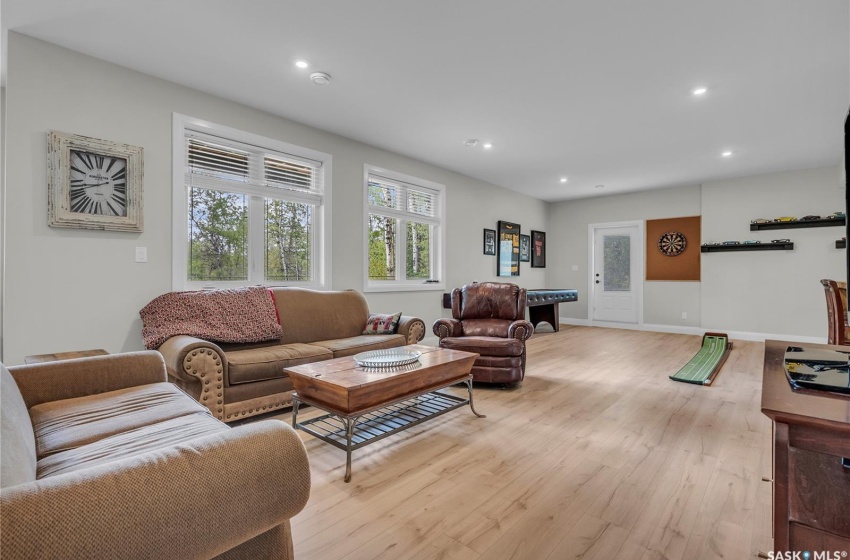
[102,458]
[235,381]
[489,319]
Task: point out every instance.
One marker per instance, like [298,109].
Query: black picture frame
[507,261]
[538,249]
[524,248]
[489,241]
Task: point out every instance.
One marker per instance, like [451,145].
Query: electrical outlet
[684,314]
[141,254]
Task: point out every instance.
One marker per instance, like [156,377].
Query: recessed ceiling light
[488,145]
[727,153]
[302,63]
[563,179]
[471,142]
[320,78]
[599,187]
[700,91]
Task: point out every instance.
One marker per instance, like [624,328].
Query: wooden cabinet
[811,492]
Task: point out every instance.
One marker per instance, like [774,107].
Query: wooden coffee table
[365,405]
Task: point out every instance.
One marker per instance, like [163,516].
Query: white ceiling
[598,91]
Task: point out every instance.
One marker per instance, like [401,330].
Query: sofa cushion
[356,344]
[71,423]
[259,364]
[17,458]
[131,443]
[310,315]
[484,345]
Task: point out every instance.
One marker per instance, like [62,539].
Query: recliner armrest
[192,500]
[445,328]
[80,377]
[521,330]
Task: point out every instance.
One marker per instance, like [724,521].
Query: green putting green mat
[704,366]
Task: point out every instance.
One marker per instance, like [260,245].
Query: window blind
[222,164]
[402,198]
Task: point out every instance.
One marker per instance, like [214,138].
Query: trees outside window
[404,223]
[253,215]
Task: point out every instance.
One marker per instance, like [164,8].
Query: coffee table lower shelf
[353,431]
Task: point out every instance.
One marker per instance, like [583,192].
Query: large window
[404,232]
[248,210]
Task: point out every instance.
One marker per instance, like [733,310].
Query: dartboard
[672,243]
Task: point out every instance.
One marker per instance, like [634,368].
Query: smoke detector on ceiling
[320,78]
[472,142]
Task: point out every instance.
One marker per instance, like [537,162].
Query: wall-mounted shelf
[750,247]
[799,224]
[840,243]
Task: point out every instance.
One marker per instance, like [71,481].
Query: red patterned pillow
[382,324]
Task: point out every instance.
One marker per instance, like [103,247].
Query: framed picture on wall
[489,241]
[93,184]
[538,249]
[508,249]
[524,248]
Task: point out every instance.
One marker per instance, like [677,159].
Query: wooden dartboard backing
[672,243]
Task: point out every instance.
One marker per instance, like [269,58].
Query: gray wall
[69,289]
[770,292]
[568,245]
[774,292]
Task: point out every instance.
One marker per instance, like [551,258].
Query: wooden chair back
[836,312]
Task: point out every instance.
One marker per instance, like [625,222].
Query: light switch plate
[141,254]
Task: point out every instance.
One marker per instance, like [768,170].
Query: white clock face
[98,184]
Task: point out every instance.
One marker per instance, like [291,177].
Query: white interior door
[616,279]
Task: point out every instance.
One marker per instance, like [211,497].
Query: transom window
[404,232]
[250,209]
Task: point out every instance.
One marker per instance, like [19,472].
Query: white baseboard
[676,329]
[576,322]
[680,329]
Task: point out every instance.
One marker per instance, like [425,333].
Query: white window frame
[438,242]
[321,252]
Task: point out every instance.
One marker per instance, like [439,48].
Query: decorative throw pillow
[382,324]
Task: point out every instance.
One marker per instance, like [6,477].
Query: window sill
[439,287]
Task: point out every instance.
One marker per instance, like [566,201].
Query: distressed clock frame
[59,214]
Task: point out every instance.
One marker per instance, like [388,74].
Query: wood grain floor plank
[596,455]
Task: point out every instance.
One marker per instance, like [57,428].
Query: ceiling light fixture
[563,179]
[302,64]
[700,91]
[727,153]
[488,145]
[320,78]
[472,142]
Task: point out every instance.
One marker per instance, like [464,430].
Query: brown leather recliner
[489,319]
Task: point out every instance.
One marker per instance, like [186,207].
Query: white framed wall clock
[93,184]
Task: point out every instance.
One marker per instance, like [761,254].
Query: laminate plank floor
[597,455]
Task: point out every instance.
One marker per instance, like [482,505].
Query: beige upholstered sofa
[102,458]
[239,380]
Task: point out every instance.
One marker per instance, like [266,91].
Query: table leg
[471,406]
[349,433]
[295,404]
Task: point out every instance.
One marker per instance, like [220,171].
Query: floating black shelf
[750,247]
[798,224]
[840,243]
